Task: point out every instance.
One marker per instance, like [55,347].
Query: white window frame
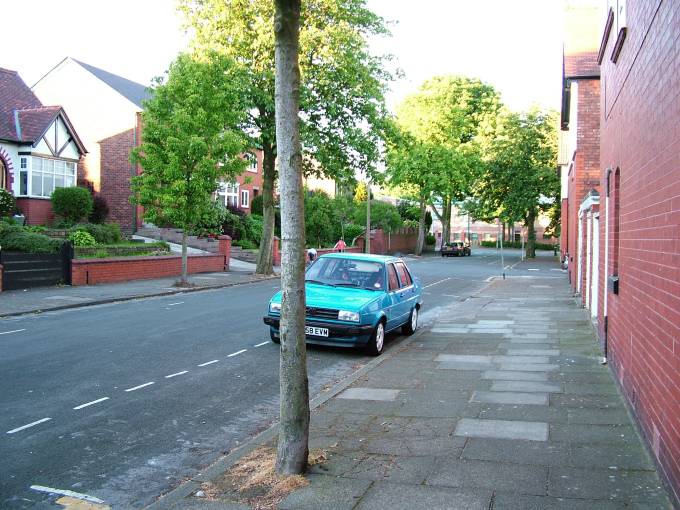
[229,190]
[245,198]
[51,169]
[252,162]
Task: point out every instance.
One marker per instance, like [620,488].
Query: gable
[58,140]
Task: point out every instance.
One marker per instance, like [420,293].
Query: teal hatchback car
[354,299]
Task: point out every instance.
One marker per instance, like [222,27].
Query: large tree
[193,136]
[293,447]
[519,181]
[454,116]
[341,91]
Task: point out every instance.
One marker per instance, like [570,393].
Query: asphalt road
[124,401]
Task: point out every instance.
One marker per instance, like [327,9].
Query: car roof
[361,256]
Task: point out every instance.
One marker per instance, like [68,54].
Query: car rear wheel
[274,338]
[377,341]
[410,327]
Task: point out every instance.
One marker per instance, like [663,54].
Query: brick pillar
[225,249]
[276,252]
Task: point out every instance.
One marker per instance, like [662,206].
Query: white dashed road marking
[23,427]
[533,269]
[261,344]
[176,374]
[435,283]
[91,403]
[140,386]
[236,353]
[178,303]
[64,492]
[13,331]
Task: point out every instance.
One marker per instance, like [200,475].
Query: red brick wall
[564,223]
[116,171]
[584,174]
[121,269]
[641,136]
[38,211]
[402,241]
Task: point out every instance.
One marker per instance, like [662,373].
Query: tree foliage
[520,180]
[341,91]
[192,137]
[440,137]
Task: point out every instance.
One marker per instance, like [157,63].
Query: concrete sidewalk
[501,405]
[42,299]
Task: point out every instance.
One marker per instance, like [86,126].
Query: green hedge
[17,238]
[107,233]
[518,244]
[72,204]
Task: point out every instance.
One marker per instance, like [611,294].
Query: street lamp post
[367,245]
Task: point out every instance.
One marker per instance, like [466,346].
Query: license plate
[311,330]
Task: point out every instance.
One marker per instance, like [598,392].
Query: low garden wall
[402,240]
[121,269]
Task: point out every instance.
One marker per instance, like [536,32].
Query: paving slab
[464,365]
[502,429]
[454,472]
[369,394]
[527,386]
[533,352]
[514,501]
[521,359]
[384,495]
[530,367]
[537,453]
[464,358]
[502,397]
[513,375]
[326,493]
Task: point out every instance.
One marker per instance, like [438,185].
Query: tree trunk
[184,278]
[446,220]
[367,237]
[293,447]
[264,256]
[421,226]
[531,235]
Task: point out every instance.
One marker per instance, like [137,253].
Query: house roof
[23,118]
[14,95]
[132,91]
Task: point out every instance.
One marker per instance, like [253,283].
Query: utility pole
[367,245]
[500,237]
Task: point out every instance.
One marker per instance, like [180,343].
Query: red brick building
[639,314]
[39,148]
[579,145]
[106,109]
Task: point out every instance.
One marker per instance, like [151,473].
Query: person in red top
[340,246]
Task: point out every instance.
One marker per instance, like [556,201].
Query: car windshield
[340,272]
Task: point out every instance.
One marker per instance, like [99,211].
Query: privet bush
[82,238]
[108,233]
[72,204]
[17,238]
[8,203]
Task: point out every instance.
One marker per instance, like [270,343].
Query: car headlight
[275,307]
[344,315]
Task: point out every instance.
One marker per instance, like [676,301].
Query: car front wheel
[410,327]
[274,338]
[377,341]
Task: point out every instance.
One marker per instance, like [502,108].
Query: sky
[514,45]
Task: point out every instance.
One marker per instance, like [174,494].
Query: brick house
[39,148]
[105,108]
[579,155]
[639,252]
[247,186]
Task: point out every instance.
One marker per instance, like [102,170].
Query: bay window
[45,175]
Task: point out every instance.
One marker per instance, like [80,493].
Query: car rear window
[404,276]
[392,277]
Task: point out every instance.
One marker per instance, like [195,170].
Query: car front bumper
[349,335]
